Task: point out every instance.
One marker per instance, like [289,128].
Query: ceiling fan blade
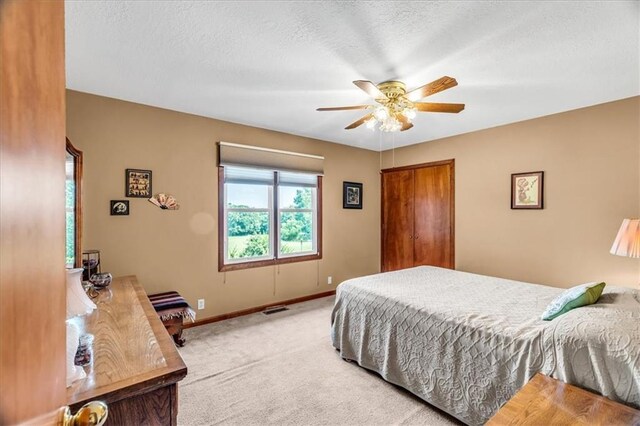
[406,124]
[371,89]
[358,122]
[345,108]
[436,107]
[432,88]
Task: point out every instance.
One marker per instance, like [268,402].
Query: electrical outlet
[329,280]
[200,303]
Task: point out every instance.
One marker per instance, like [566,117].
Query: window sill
[260,263]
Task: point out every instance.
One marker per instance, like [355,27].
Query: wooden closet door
[433,232]
[397,220]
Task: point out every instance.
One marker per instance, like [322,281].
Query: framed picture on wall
[119,207]
[138,183]
[527,190]
[351,195]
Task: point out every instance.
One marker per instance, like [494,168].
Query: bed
[466,343]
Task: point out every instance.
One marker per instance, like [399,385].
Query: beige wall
[592,180]
[591,162]
[179,249]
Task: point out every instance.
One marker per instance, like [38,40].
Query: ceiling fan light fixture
[396,107]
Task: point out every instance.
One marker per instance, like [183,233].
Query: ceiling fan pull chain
[380,148]
[393,150]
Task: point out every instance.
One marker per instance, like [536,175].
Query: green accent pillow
[575,297]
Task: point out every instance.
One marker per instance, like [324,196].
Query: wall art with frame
[351,195]
[119,207]
[527,190]
[138,183]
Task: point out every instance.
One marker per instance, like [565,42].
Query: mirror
[73,204]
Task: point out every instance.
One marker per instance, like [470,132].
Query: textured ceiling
[270,64]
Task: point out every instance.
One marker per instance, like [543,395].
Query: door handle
[410,237]
[416,237]
[93,413]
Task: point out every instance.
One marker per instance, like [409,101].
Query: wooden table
[547,401]
[136,366]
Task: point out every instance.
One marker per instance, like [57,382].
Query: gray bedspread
[466,343]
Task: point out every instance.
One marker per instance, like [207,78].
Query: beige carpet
[281,369]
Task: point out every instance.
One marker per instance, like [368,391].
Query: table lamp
[78,304]
[627,242]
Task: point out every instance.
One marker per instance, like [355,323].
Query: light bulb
[391,124]
[410,113]
[381,113]
[371,123]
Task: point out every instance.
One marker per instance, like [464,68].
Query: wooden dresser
[136,366]
[547,401]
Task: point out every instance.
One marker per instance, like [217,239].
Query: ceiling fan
[397,107]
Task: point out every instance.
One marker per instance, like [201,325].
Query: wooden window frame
[222,267]
[77,202]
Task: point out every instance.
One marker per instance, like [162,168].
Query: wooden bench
[172,310]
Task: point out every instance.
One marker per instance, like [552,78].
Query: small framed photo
[119,207]
[527,190]
[351,195]
[137,183]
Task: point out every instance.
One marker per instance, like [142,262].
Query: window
[70,222]
[268,217]
[73,192]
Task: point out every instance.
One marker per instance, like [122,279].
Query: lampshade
[78,303]
[627,242]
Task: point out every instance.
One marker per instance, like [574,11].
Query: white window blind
[248,176]
[306,180]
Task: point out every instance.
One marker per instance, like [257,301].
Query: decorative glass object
[78,304]
[84,354]
[90,263]
[73,339]
[101,280]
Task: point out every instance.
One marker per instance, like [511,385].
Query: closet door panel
[397,220]
[433,232]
